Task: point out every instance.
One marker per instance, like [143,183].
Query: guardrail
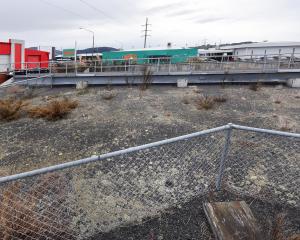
[214,63]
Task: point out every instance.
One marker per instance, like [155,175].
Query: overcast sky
[118,23]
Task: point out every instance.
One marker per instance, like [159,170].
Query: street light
[82,28]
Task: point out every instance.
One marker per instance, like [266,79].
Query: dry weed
[205,102]
[54,110]
[255,87]
[147,79]
[10,109]
[21,216]
[277,233]
[220,99]
[284,124]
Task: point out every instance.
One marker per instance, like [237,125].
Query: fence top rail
[268,131]
[107,155]
[84,161]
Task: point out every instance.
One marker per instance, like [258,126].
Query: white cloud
[118,22]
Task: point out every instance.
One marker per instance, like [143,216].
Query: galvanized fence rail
[213,63]
[80,199]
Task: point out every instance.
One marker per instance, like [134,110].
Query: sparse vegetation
[255,87]
[54,110]
[277,101]
[147,79]
[10,109]
[285,125]
[20,217]
[220,99]
[205,102]
[277,233]
[208,102]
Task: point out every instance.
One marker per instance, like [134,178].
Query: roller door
[33,61]
[4,63]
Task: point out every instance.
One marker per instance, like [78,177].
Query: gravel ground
[172,190]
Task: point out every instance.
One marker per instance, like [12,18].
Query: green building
[151,55]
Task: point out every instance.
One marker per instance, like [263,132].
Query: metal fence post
[223,157]
[279,59]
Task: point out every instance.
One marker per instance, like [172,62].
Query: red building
[14,56]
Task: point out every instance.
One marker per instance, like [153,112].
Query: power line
[97,9]
[64,9]
[146,35]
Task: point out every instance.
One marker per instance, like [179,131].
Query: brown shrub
[277,101]
[54,110]
[205,102]
[255,87]
[295,236]
[21,215]
[146,79]
[10,109]
[277,233]
[220,99]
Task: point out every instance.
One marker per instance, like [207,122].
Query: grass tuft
[205,102]
[54,110]
[277,101]
[255,87]
[146,78]
[20,211]
[10,109]
[220,99]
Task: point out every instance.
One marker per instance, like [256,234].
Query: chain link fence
[81,199]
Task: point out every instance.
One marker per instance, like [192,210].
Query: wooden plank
[232,221]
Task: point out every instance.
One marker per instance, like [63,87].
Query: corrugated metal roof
[264,45]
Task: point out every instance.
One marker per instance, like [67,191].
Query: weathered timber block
[232,221]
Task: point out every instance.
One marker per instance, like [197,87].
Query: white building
[256,50]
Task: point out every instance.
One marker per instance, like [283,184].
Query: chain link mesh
[83,201]
[264,166]
[80,202]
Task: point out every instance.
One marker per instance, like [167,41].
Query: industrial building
[14,56]
[152,55]
[246,51]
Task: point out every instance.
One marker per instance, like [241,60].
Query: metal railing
[80,199]
[213,63]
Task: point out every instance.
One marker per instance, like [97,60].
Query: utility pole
[146,32]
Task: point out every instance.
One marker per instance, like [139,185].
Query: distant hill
[83,51]
[97,50]
[208,46]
